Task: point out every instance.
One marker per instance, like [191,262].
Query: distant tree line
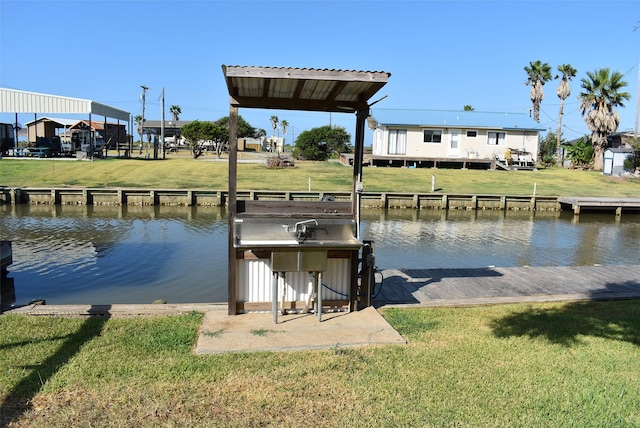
[319,143]
[200,134]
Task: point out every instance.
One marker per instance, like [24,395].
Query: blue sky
[442,55]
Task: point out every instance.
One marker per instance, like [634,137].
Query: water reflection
[476,239]
[136,254]
[102,255]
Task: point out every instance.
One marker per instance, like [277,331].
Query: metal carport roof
[16,101]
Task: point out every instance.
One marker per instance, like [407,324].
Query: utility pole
[161,127]
[144,97]
[635,128]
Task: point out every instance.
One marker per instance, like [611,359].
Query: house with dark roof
[467,139]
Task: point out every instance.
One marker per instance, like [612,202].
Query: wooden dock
[119,196]
[434,287]
[578,204]
[463,287]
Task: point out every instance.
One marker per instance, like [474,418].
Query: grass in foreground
[186,173]
[571,364]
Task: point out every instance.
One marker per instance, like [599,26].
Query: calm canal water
[104,255]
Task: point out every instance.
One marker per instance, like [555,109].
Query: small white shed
[614,160]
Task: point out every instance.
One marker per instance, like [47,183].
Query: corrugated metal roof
[60,121]
[95,125]
[455,119]
[16,101]
[302,88]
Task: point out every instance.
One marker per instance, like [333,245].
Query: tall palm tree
[284,125]
[602,93]
[563,91]
[175,111]
[538,74]
[138,119]
[274,125]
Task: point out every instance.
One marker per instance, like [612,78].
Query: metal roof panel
[16,101]
[302,88]
[60,121]
[455,119]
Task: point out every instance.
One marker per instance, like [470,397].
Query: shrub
[277,162]
[581,153]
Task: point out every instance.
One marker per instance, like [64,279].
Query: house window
[496,138]
[397,141]
[472,134]
[431,136]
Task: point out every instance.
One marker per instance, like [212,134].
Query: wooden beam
[299,104]
[231,209]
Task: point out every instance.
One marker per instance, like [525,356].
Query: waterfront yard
[522,365]
[210,173]
[544,365]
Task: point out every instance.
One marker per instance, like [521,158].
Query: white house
[467,138]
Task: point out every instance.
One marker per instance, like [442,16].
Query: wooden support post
[503,202]
[532,203]
[232,206]
[576,209]
[85,197]
[445,202]
[618,211]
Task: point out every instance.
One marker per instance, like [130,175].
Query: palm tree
[468,107]
[563,91]
[274,125]
[284,125]
[175,111]
[538,74]
[138,120]
[600,96]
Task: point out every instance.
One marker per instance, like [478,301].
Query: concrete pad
[255,332]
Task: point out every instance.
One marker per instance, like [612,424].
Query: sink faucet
[296,227]
[300,229]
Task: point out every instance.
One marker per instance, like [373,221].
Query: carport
[17,101]
[319,90]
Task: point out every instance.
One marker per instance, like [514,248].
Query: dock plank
[510,284]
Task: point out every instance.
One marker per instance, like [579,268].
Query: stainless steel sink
[301,233]
[299,261]
[297,238]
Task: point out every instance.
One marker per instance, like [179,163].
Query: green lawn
[206,173]
[543,365]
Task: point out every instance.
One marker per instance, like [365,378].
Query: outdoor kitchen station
[298,256]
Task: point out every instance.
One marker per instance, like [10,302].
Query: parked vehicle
[81,142]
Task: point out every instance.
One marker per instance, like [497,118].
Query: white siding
[469,146]
[255,279]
